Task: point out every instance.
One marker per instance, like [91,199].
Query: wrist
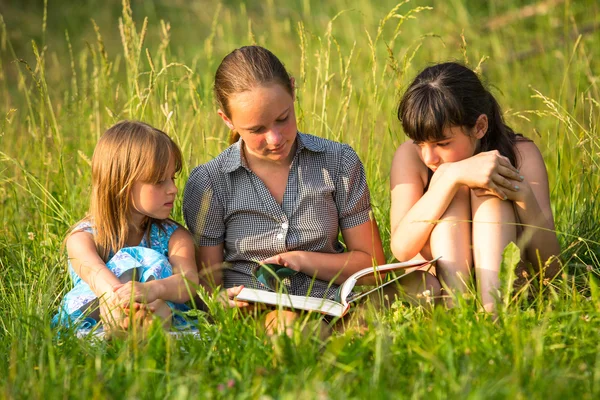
[155,287]
[298,259]
[103,290]
[450,174]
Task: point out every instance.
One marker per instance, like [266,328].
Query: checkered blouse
[225,202]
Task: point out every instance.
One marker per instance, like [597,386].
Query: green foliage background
[68,71]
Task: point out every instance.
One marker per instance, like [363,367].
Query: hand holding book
[336,308]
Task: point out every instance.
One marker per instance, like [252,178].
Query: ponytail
[233,137]
[499,136]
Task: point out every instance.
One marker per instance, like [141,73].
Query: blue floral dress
[146,262]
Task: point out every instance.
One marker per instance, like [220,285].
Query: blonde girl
[127,250]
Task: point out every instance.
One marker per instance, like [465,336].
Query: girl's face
[458,144]
[265,119]
[154,200]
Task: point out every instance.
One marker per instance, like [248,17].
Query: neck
[136,222]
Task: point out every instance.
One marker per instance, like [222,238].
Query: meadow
[67,73]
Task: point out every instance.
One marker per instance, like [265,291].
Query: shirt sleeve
[352,196]
[202,210]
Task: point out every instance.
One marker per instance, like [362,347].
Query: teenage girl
[466,185]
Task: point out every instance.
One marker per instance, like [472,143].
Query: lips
[277,149]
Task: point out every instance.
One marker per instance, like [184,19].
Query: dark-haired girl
[466,185]
[280,196]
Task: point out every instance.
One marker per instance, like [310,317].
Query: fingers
[234,291]
[275,260]
[505,184]
[510,173]
[238,304]
[270,260]
[492,191]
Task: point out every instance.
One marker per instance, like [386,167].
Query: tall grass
[156,61]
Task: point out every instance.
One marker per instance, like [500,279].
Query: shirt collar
[234,157]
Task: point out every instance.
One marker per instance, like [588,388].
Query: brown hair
[244,69]
[128,152]
[450,94]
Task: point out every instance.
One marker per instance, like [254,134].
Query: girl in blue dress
[128,261]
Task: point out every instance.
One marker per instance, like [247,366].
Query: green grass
[65,78]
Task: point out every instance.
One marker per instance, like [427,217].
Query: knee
[491,208]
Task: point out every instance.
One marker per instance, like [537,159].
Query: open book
[326,306]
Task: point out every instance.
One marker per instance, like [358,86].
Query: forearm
[410,235]
[100,279]
[332,266]
[177,288]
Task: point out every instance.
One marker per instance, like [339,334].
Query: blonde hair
[128,152]
[244,69]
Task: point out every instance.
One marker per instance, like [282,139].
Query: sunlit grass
[62,85]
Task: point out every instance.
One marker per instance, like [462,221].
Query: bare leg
[493,228]
[451,239]
[281,322]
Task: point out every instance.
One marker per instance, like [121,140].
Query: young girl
[133,190]
[465,164]
[280,196]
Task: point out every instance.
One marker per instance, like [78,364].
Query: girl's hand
[488,173]
[137,291]
[136,314]
[521,196]
[291,259]
[227,297]
[112,314]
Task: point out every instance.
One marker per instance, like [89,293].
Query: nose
[430,157]
[274,138]
[173,187]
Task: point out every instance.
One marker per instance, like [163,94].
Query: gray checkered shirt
[225,202]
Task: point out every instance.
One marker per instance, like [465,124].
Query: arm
[411,209]
[86,263]
[532,204]
[327,266]
[210,260]
[179,286]
[414,213]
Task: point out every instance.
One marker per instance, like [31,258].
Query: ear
[225,119]
[481,126]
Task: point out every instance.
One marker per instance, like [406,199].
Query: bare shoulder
[77,239]
[181,236]
[408,164]
[528,155]
[406,152]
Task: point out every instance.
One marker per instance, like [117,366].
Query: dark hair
[451,94]
[244,69]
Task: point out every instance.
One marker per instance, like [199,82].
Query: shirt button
[285,225]
[280,236]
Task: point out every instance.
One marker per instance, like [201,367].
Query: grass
[65,78]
